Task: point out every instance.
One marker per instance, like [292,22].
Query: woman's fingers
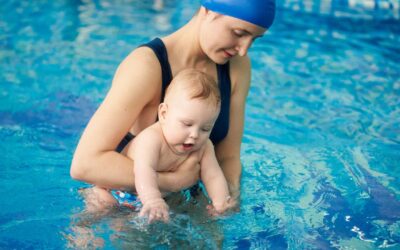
[230,204]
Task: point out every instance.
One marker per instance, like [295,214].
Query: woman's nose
[244,46]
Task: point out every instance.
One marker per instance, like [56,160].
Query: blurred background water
[321,148]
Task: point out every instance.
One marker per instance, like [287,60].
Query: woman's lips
[227,54]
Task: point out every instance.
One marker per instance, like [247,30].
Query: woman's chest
[146,117]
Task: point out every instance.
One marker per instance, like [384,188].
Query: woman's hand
[235,193]
[186,175]
[219,209]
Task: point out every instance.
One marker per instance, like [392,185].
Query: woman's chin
[221,60]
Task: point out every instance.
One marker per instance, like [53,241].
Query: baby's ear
[162,111]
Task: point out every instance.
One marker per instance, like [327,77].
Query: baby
[186,118]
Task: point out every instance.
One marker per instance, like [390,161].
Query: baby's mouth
[187,146]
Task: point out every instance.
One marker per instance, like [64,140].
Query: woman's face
[223,37]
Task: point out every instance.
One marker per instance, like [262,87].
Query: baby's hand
[155,210]
[216,209]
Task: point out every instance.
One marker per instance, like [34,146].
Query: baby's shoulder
[208,148]
[150,135]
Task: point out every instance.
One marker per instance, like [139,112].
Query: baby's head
[194,84]
[190,108]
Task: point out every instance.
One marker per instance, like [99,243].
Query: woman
[214,41]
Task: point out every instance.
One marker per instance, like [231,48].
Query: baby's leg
[98,199]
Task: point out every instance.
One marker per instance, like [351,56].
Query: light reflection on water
[189,227]
[321,144]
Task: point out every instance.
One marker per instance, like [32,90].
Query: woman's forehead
[250,28]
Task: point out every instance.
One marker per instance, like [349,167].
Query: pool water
[321,147]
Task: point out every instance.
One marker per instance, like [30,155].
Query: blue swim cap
[258,12]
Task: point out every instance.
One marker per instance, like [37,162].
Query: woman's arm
[135,84]
[228,150]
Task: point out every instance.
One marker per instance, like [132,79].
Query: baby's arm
[146,153]
[214,180]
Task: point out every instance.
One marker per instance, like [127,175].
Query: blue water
[321,147]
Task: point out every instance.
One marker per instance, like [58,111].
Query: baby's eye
[187,124]
[206,129]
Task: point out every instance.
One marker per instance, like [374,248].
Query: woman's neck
[184,49]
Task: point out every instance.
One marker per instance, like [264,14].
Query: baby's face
[188,123]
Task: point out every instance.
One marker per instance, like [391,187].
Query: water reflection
[120,227]
[352,8]
[321,144]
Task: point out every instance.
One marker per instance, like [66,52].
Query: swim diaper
[127,199]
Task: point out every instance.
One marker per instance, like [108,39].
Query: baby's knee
[103,195]
[98,199]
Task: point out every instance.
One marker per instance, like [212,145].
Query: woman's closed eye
[239,33]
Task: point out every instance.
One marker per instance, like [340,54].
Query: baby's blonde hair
[198,84]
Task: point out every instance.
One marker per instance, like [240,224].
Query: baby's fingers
[165,216]
[158,215]
[148,212]
[212,211]
[144,212]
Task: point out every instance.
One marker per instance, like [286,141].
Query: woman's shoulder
[139,69]
[240,71]
[141,58]
[239,62]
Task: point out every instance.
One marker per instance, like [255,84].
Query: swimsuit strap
[160,51]
[221,126]
[127,138]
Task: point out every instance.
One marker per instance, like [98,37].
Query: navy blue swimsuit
[221,126]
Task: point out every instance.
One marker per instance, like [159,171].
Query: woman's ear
[162,111]
[204,12]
